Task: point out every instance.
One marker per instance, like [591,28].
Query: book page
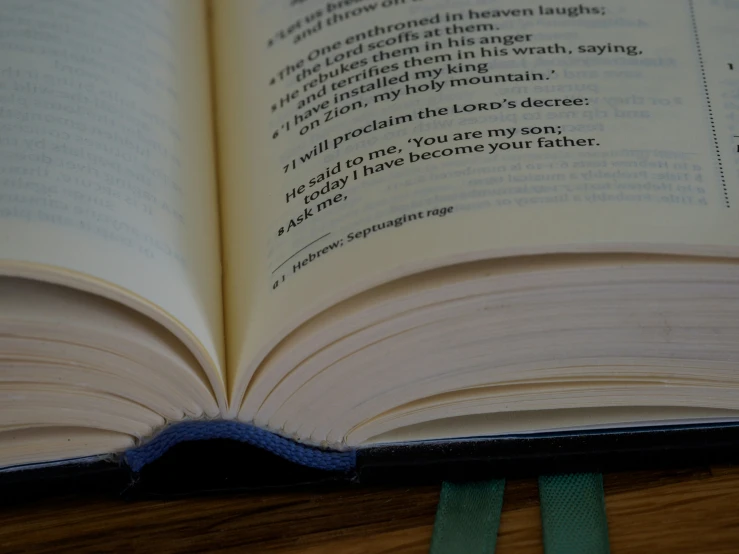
[364,140]
[107,172]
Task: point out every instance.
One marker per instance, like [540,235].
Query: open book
[359,222]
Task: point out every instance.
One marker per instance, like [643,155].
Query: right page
[364,140]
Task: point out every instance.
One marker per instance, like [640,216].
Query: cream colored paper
[640,172]
[107,171]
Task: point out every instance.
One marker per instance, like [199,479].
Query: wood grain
[649,512]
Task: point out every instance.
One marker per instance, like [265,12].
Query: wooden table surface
[686,511]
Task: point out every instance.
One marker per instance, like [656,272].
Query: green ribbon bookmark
[468,518]
[573,514]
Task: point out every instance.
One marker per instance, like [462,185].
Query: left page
[107,173]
